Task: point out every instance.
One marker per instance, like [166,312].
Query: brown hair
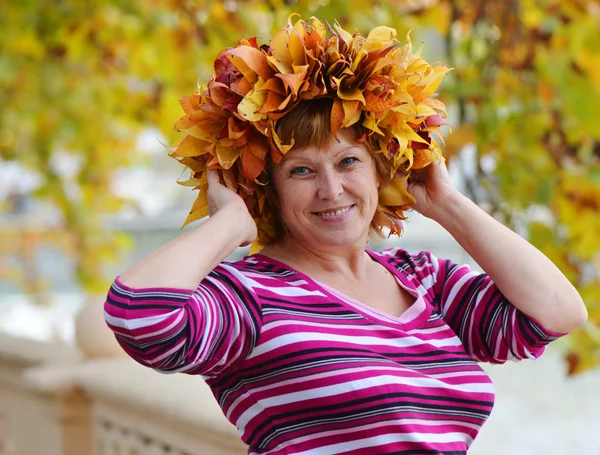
[309,124]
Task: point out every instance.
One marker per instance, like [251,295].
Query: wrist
[235,220]
[451,208]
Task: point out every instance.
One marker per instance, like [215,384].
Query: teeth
[336,213]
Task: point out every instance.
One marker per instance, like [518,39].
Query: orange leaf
[276,156]
[423,158]
[274,85]
[253,59]
[240,142]
[312,39]
[190,103]
[234,131]
[293,81]
[184,123]
[241,86]
[230,181]
[251,165]
[213,163]
[259,148]
[274,100]
[337,116]
[375,104]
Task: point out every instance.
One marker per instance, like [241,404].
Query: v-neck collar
[414,316]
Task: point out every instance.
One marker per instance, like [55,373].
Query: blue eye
[300,170]
[348,161]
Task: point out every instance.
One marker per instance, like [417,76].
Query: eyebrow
[288,158]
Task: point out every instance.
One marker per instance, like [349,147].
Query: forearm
[527,278]
[184,261]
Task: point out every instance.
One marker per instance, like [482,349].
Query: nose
[330,185]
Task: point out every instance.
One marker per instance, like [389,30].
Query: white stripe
[362,428]
[175,322]
[168,353]
[378,441]
[330,327]
[456,289]
[353,386]
[289,339]
[136,323]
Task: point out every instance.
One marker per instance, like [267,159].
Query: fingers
[213,177]
[418,175]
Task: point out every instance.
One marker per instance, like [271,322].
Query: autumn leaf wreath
[377,81]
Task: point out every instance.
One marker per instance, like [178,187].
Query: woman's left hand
[431,187]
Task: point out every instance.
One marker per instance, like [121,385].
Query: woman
[318,345]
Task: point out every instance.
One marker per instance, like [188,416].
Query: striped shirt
[300,368]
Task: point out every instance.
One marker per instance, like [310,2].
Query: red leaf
[435,120]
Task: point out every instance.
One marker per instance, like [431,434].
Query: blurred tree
[84,78]
[527,88]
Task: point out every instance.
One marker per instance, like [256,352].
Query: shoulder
[420,265]
[252,271]
[248,266]
[401,258]
[234,272]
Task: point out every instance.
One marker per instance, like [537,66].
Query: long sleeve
[489,326]
[196,332]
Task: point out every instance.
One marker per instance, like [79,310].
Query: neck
[348,261]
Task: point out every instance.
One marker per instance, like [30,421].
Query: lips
[334,212]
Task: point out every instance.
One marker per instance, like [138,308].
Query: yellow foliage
[87,77]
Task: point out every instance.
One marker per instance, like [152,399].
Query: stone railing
[32,420]
[56,401]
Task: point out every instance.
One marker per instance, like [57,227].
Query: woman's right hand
[222,199]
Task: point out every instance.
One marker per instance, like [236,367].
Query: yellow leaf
[297,50]
[250,109]
[255,247]
[199,209]
[227,155]
[352,113]
[382,33]
[371,124]
[282,67]
[394,194]
[433,80]
[347,37]
[351,94]
[190,182]
[190,146]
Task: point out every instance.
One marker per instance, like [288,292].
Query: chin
[339,239]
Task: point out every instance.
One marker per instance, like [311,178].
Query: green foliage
[86,77]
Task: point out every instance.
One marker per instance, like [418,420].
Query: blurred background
[89,94]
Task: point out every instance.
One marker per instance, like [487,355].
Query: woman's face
[327,196]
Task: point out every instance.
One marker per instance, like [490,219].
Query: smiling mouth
[337,212]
